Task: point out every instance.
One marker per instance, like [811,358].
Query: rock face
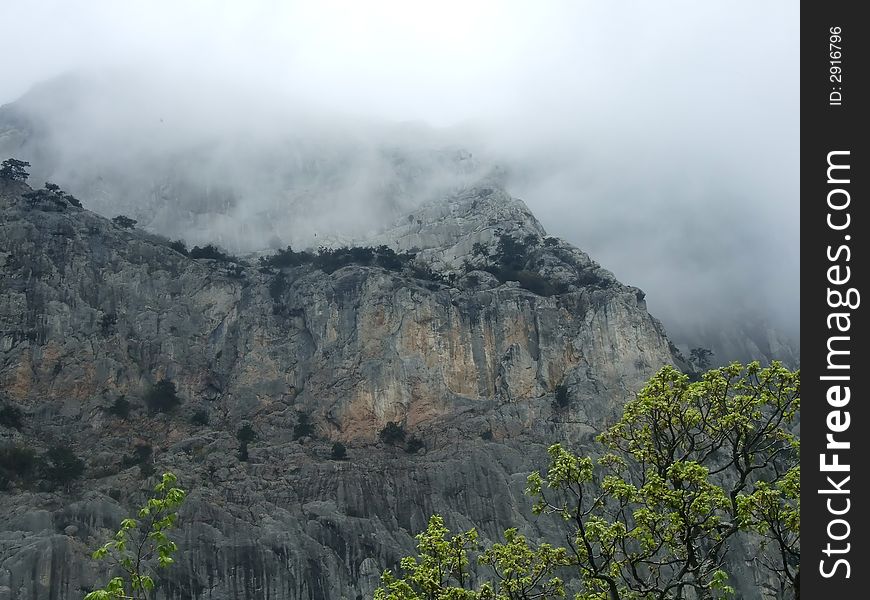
[91,313]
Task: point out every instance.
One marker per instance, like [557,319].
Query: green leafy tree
[440,572]
[142,545]
[443,569]
[687,468]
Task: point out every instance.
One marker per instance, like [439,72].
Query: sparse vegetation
[162,397]
[303,427]
[108,324]
[141,454]
[16,462]
[332,259]
[124,222]
[699,358]
[52,193]
[13,169]
[120,407]
[212,252]
[11,417]
[339,451]
[200,418]
[180,247]
[245,435]
[61,465]
[561,400]
[414,445]
[392,433]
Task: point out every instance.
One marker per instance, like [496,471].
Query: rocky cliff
[464,354]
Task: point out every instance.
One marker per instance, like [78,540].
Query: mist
[662,139]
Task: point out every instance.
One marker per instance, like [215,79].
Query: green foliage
[141,455]
[52,193]
[689,468]
[339,451]
[699,358]
[392,433]
[444,566]
[278,286]
[522,571]
[414,445]
[304,427]
[108,324]
[124,222]
[287,258]
[11,416]
[440,572]
[212,252]
[141,546]
[162,397]
[245,435]
[120,407]
[561,399]
[17,462]
[61,465]
[180,247]
[13,169]
[200,417]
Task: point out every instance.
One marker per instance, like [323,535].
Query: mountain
[459,326]
[253,173]
[215,167]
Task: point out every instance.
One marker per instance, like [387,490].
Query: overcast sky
[662,137]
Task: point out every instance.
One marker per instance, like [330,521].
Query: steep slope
[467,363]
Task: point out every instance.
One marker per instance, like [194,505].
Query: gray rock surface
[90,313]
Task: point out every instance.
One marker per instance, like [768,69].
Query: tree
[392,433]
[561,400]
[339,451]
[162,397]
[12,169]
[303,427]
[687,468]
[61,465]
[138,545]
[699,358]
[124,222]
[443,569]
[11,416]
[245,435]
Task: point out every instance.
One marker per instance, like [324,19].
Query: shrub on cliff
[12,169]
[11,416]
[339,451]
[303,427]
[392,433]
[61,465]
[124,222]
[162,397]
